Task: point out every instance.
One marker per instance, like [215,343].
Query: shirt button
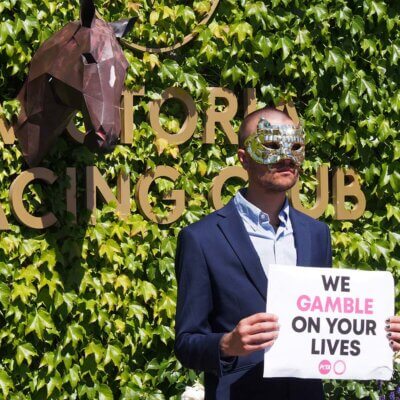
[263,217]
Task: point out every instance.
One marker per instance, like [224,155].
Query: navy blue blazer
[221,281]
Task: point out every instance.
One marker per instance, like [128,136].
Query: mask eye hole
[271,145]
[296,147]
[88,58]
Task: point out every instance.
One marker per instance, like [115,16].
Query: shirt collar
[254,215]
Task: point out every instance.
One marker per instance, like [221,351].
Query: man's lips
[286,169]
[285,166]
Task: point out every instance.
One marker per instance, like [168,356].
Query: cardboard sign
[332,323]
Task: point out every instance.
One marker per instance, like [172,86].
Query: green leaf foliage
[88,311]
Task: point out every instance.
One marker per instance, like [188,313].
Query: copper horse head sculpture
[80,68]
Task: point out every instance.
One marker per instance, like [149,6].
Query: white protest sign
[332,323]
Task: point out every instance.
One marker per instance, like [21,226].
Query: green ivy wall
[87,311]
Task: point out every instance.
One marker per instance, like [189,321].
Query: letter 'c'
[16,193]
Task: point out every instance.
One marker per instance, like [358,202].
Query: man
[221,265]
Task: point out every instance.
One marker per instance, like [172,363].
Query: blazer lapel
[235,233]
[301,238]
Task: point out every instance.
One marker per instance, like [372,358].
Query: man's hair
[249,125]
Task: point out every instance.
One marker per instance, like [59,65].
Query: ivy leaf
[378,8]
[396,150]
[39,323]
[22,291]
[315,110]
[105,392]
[234,72]
[168,70]
[25,352]
[385,176]
[147,290]
[335,59]
[74,376]
[109,248]
[152,60]
[124,282]
[96,349]
[303,38]
[167,248]
[202,167]
[379,249]
[242,30]
[75,334]
[6,383]
[4,294]
[114,354]
[154,16]
[365,85]
[357,25]
[4,31]
[264,46]
[161,145]
[29,24]
[349,99]
[349,139]
[395,53]
[394,181]
[320,11]
[55,382]
[286,45]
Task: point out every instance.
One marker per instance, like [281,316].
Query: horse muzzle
[100,141]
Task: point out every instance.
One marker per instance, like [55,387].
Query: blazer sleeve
[196,346]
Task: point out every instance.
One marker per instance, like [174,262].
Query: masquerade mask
[272,143]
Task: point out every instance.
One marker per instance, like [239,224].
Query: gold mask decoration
[273,143]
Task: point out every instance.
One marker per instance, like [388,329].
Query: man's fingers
[259,317]
[393,336]
[393,332]
[263,327]
[260,338]
[249,348]
[395,319]
[393,327]
[395,345]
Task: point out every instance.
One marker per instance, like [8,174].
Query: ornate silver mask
[273,143]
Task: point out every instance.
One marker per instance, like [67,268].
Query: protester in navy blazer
[221,324]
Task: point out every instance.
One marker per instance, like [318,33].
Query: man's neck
[269,202]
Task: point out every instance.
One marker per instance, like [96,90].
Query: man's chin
[283,184]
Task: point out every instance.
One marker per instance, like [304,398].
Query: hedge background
[87,311]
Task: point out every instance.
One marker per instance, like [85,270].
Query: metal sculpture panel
[80,68]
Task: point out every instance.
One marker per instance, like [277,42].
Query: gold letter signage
[142,191]
[223,106]
[188,126]
[17,190]
[343,191]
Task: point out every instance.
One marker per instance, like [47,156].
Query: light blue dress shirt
[272,247]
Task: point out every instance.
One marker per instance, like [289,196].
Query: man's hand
[251,334]
[393,332]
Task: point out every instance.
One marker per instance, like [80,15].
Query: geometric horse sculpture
[80,68]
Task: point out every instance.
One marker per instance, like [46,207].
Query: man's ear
[243,158]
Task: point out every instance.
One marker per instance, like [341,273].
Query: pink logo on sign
[339,367]
[324,367]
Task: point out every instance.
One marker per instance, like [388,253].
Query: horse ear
[88,11]
[122,27]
